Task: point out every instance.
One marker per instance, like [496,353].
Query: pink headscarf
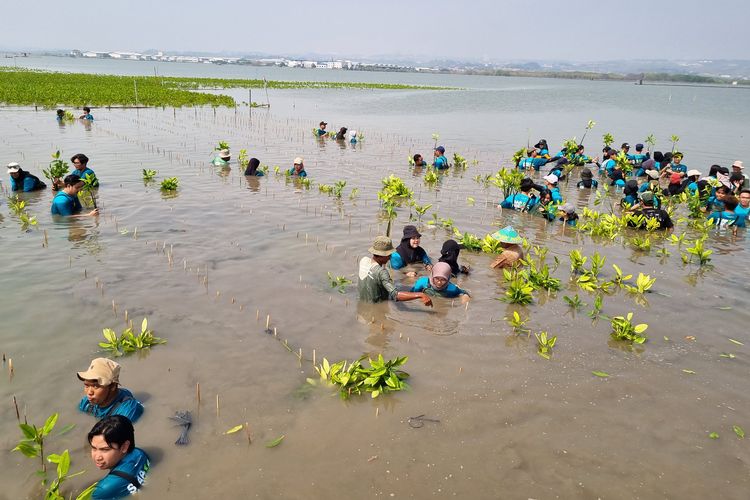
[440,270]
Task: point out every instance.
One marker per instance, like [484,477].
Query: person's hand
[94,212]
[428,267]
[411,274]
[465,269]
[596,160]
[426,300]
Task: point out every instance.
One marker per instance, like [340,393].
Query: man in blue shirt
[102,393]
[533,161]
[112,442]
[80,163]
[321,129]
[66,201]
[727,217]
[522,201]
[440,162]
[21,180]
[743,209]
[86,114]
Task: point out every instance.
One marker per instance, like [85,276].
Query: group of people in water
[723,195]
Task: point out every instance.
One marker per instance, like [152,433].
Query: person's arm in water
[406,296]
[387,282]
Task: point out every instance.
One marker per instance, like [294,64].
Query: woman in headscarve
[409,251]
[439,283]
[252,168]
[449,255]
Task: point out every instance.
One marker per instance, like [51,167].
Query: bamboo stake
[15,404]
[198,391]
[217,405]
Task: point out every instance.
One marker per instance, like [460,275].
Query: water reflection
[253,183]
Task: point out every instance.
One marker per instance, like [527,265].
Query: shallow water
[512,425]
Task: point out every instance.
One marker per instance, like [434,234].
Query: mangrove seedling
[619,277]
[58,168]
[608,139]
[643,283]
[624,329]
[597,263]
[697,250]
[222,145]
[675,139]
[148,175]
[63,466]
[421,210]
[129,342]
[32,444]
[577,261]
[90,182]
[545,344]
[459,161]
[339,282]
[436,138]
[574,302]
[411,161]
[353,194]
[518,324]
[677,240]
[519,290]
[170,184]
[242,158]
[651,141]
[594,313]
[642,243]
[431,176]
[379,378]
[18,207]
[468,240]
[518,156]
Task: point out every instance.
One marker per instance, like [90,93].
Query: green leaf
[28,430]
[275,442]
[727,355]
[27,449]
[739,431]
[66,429]
[49,424]
[640,328]
[600,374]
[736,342]
[234,429]
[691,372]
[713,435]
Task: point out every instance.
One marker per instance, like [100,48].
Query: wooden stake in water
[268,321]
[198,391]
[217,405]
[114,307]
[15,404]
[46,243]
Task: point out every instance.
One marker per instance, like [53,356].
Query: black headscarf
[449,255]
[252,167]
[631,188]
[404,249]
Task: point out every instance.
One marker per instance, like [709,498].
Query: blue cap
[440,148]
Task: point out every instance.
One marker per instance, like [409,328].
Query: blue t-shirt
[744,213]
[65,204]
[302,173]
[529,163]
[556,196]
[440,163]
[124,404]
[609,166]
[423,285]
[519,201]
[714,202]
[679,168]
[630,199]
[320,132]
[30,183]
[727,219]
[637,159]
[88,116]
[135,465]
[219,162]
[397,262]
[582,185]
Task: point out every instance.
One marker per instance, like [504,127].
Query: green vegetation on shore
[42,88]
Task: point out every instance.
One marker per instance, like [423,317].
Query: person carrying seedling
[66,201]
[321,129]
[21,180]
[80,163]
[112,442]
[375,283]
[512,251]
[103,395]
[86,114]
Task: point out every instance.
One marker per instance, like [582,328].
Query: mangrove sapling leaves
[129,342]
[600,374]
[339,282]
[728,355]
[148,174]
[739,431]
[689,372]
[275,442]
[735,342]
[624,329]
[170,184]
[234,429]
[574,302]
[58,168]
[545,344]
[714,435]
[354,378]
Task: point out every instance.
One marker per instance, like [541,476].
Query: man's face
[107,456]
[721,194]
[98,394]
[323,126]
[78,165]
[745,200]
[676,160]
[418,160]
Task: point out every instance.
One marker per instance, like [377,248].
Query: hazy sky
[494,30]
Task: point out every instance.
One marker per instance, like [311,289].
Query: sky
[481,30]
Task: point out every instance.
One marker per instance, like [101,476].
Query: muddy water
[209,265]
